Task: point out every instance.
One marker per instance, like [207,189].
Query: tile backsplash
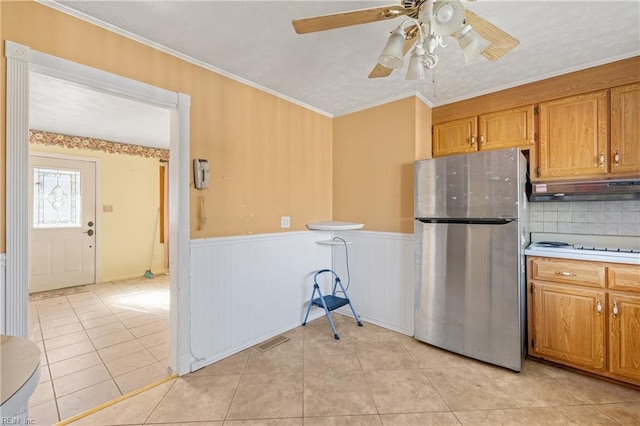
[586,217]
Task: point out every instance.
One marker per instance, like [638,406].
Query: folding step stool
[331,302]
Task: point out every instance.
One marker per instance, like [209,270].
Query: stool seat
[332,302]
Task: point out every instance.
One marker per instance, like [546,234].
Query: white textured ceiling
[254,41]
[58,106]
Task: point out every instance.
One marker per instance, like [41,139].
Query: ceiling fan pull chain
[433,80]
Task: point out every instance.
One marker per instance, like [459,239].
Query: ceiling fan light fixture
[416,70]
[430,61]
[471,43]
[432,20]
[393,52]
[448,17]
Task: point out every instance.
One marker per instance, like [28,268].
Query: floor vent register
[271,343]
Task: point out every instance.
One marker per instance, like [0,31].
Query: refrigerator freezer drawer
[470,290]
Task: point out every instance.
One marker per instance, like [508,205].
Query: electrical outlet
[285,222]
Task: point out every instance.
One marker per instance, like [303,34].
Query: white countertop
[20,372]
[333,225]
[571,253]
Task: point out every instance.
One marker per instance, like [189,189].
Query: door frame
[97,276]
[20,61]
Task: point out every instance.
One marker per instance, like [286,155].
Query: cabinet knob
[601,159]
[616,158]
[615,309]
[599,307]
[481,139]
[472,140]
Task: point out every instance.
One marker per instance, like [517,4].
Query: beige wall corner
[423,130]
[373,155]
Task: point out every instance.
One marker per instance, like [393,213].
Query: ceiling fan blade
[380,71]
[501,42]
[339,20]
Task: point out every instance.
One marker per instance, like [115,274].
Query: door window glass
[56,198]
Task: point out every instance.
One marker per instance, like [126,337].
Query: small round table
[20,373]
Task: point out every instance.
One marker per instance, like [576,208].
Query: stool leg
[313,293]
[355,315]
[328,314]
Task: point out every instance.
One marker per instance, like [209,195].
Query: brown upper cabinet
[575,131]
[573,136]
[497,130]
[625,129]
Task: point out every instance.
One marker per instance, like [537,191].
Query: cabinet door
[506,129]
[625,129]
[573,136]
[455,137]
[569,325]
[624,337]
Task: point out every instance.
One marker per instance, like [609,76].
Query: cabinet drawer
[624,277]
[568,271]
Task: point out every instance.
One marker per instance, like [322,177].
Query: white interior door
[62,240]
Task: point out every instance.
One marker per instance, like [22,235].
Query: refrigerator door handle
[497,221]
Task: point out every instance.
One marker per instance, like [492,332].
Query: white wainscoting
[247,289]
[381,266]
[3,272]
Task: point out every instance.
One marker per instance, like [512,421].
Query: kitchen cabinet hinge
[533,343]
[536,110]
[535,137]
[538,171]
[531,289]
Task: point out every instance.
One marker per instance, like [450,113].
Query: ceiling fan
[426,24]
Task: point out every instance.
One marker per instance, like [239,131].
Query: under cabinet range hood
[586,190]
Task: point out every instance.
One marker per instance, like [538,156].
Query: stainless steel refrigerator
[470,236]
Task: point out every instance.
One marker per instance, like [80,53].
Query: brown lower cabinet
[624,337]
[585,315]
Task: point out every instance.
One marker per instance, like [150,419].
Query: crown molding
[157,46]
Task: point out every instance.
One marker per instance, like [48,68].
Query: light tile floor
[98,344]
[372,376]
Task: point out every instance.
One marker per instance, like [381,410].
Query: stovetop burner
[553,244]
[613,249]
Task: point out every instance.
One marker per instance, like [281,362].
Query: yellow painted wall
[423,130]
[131,185]
[3,150]
[269,157]
[373,155]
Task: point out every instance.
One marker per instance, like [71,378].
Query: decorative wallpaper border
[67,141]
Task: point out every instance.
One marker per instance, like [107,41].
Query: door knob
[89,232]
[90,224]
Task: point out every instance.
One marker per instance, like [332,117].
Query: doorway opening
[97,310]
[20,61]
